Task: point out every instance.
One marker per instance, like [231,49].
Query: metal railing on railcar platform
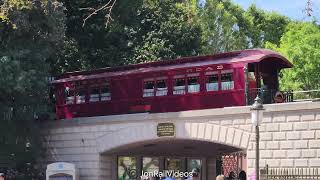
[269,96]
[273,96]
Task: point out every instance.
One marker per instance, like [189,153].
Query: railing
[290,173]
[270,96]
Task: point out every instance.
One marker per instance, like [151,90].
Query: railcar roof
[243,56]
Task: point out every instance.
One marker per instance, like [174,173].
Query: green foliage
[264,26]
[30,34]
[300,44]
[163,31]
[223,27]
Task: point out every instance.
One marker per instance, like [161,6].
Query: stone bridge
[289,137]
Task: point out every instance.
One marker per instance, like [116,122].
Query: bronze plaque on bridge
[165,129]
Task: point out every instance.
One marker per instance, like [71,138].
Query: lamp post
[256,116]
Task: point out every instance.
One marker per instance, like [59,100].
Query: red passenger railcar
[190,83]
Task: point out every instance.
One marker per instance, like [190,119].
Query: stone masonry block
[208,131]
[314,162]
[223,134]
[266,119]
[262,128]
[273,162]
[308,153]
[262,145]
[301,144]
[318,134]
[293,135]
[279,154]
[307,117]
[272,127]
[247,128]
[251,162]
[301,125]
[294,154]
[301,162]
[252,154]
[279,118]
[293,118]
[273,145]
[237,138]
[201,130]
[267,136]
[215,133]
[230,135]
[279,136]
[286,126]
[286,145]
[245,140]
[239,121]
[314,144]
[262,163]
[286,162]
[314,125]
[266,154]
[307,134]
[226,122]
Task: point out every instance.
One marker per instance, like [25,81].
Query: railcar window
[148,90]
[227,81]
[179,86]
[162,89]
[69,95]
[193,85]
[105,92]
[212,83]
[94,94]
[81,96]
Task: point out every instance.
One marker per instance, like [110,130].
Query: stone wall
[290,136]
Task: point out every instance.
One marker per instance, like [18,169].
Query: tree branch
[106,7]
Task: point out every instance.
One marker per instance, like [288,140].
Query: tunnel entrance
[179,158]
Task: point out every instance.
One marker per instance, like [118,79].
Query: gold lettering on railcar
[220,67]
[209,69]
[165,129]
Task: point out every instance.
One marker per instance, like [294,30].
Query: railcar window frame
[80,86]
[148,91]
[161,91]
[105,96]
[155,90]
[95,91]
[212,86]
[227,85]
[193,87]
[179,88]
[69,94]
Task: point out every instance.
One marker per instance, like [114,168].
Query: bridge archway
[202,140]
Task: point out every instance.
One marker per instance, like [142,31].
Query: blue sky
[291,8]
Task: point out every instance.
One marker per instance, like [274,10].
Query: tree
[163,30]
[223,27]
[30,32]
[264,26]
[300,44]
